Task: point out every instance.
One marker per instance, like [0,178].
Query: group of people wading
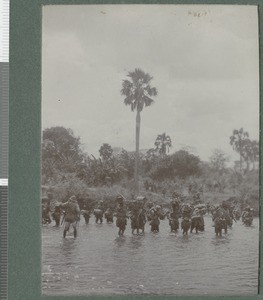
[140,211]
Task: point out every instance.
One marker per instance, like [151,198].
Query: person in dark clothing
[247,216]
[46,213]
[109,215]
[98,212]
[71,215]
[186,211]
[56,215]
[121,214]
[154,216]
[86,214]
[174,216]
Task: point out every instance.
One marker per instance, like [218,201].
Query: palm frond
[127,87]
[147,100]
[128,100]
[139,76]
[151,91]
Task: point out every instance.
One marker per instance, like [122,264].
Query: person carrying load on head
[155,215]
[71,215]
[121,214]
[174,216]
[198,213]
[46,210]
[86,213]
[247,216]
[225,208]
[109,215]
[57,214]
[138,217]
[150,207]
[186,211]
[98,212]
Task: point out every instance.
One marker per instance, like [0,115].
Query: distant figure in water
[186,211]
[109,215]
[138,217]
[247,216]
[86,213]
[121,215]
[155,214]
[98,212]
[71,215]
[174,216]
[46,213]
[56,215]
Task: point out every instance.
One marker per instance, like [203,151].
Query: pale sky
[203,58]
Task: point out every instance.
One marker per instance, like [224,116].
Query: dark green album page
[134,150]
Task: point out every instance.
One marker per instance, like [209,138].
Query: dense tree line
[62,154]
[66,165]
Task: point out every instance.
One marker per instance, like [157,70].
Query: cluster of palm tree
[162,144]
[248,149]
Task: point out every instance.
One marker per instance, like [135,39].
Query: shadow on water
[184,239]
[120,241]
[55,228]
[220,240]
[68,247]
[135,242]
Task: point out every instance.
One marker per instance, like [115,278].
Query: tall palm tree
[163,143]
[138,92]
[238,141]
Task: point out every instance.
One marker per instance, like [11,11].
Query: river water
[99,262]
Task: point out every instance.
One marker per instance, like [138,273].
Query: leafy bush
[180,164]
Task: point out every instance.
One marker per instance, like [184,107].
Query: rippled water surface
[99,262]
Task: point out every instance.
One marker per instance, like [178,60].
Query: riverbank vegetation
[67,169]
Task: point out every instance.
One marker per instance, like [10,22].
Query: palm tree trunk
[136,174]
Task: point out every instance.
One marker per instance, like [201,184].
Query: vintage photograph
[150,150]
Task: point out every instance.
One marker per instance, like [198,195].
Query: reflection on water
[68,247]
[119,241]
[135,242]
[99,262]
[220,240]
